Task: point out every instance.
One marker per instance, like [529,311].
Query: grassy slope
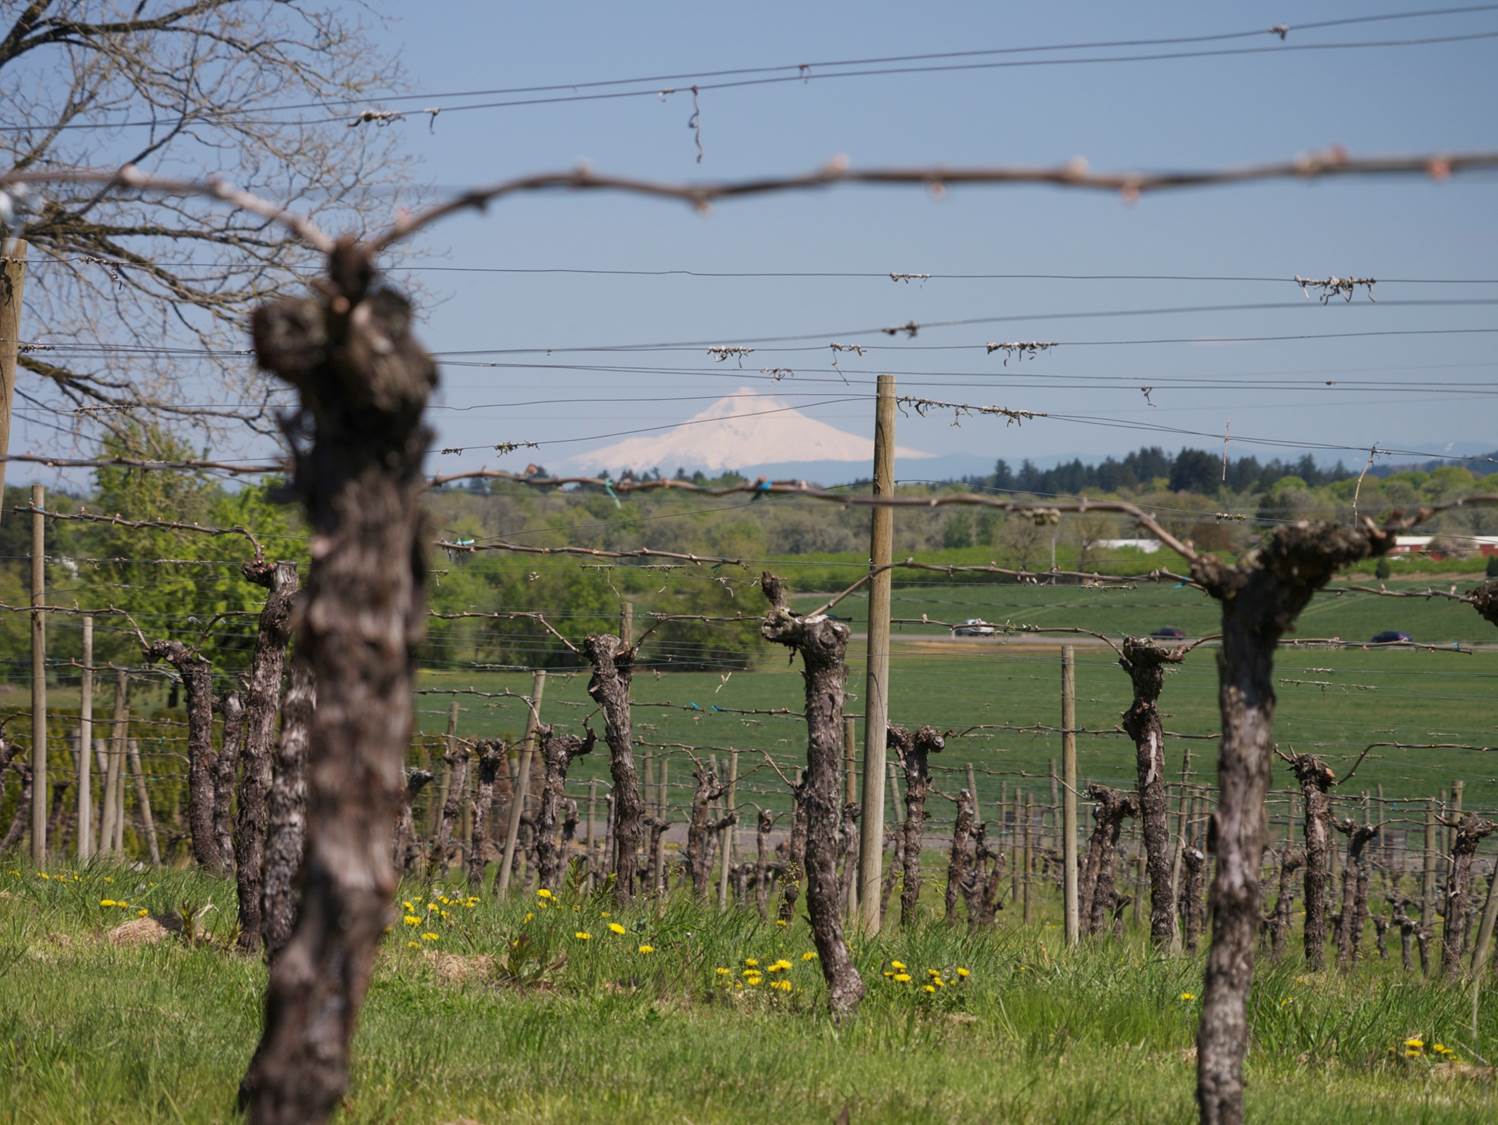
[92,1033]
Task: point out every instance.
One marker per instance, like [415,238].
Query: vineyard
[349,769]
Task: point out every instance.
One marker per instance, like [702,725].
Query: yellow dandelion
[809,955]
[782,985]
[647,949]
[528,917]
[928,988]
[1411,1053]
[413,945]
[779,966]
[583,935]
[106,902]
[603,913]
[723,971]
[142,912]
[411,920]
[938,982]
[901,978]
[543,893]
[754,981]
[616,928]
[429,936]
[540,906]
[44,875]
[752,962]
[962,972]
[1440,1049]
[781,922]
[1415,1044]
[1186,996]
[897,966]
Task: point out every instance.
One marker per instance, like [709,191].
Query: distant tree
[174,85]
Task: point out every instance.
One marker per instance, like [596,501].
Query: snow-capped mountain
[746,428]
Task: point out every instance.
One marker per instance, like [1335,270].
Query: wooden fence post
[522,783]
[38,678]
[143,802]
[1428,880]
[876,685]
[86,746]
[1069,792]
[12,284]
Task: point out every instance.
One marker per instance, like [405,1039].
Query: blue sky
[1179,113]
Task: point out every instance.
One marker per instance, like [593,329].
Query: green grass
[1331,701]
[94,1033]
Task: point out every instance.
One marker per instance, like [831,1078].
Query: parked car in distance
[973,627]
[1169,633]
[1389,637]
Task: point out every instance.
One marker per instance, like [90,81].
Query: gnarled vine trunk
[557,753]
[701,826]
[1354,890]
[197,687]
[286,810]
[1111,810]
[913,751]
[1261,597]
[822,644]
[1470,831]
[1315,779]
[491,763]
[962,860]
[1278,923]
[262,698]
[225,772]
[613,664]
[358,442]
[1145,663]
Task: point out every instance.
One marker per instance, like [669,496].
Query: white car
[973,627]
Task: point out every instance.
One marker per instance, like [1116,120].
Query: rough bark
[447,843]
[22,817]
[913,751]
[613,665]
[1261,595]
[700,827]
[822,644]
[1112,808]
[793,854]
[1278,924]
[225,772]
[1315,779]
[963,858]
[891,870]
[1354,889]
[262,699]
[407,850]
[358,443]
[762,825]
[197,686]
[1470,831]
[557,752]
[985,899]
[491,763]
[286,811]
[851,812]
[1193,866]
[1145,663]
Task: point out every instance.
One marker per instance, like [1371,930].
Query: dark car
[1169,633]
[1389,637]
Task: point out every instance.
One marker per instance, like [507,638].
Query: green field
[1333,701]
[98,1033]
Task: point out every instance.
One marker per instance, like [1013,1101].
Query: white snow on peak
[744,428]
